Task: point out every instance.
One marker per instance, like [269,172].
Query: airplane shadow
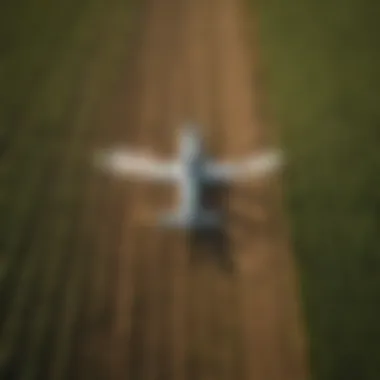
[212,244]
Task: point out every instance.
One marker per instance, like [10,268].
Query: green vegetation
[323,63]
[58,61]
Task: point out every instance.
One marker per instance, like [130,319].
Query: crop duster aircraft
[192,172]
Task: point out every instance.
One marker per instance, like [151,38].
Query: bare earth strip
[175,312]
[250,312]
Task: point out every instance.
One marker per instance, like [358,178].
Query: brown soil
[166,309]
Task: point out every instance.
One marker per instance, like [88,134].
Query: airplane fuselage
[191,181]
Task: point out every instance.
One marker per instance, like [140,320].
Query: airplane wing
[124,163]
[257,165]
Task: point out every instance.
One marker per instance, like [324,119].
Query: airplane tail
[206,220]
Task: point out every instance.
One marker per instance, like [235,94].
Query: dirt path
[166,314]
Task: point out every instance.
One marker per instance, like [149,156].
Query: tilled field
[91,292]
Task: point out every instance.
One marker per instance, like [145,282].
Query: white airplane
[193,172]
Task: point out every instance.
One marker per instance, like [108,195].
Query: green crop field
[58,62]
[323,63]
